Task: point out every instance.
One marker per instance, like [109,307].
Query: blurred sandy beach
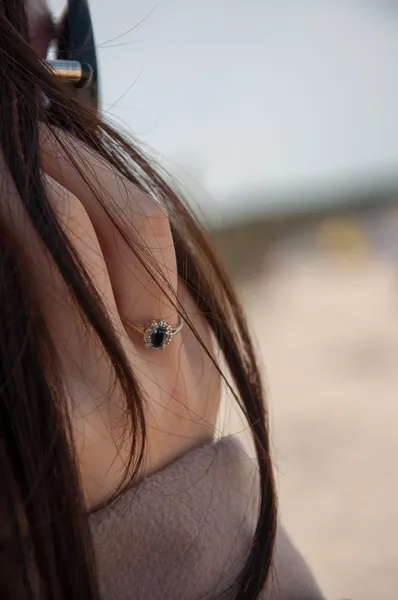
[327,330]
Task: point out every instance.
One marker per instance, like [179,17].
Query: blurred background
[279,119]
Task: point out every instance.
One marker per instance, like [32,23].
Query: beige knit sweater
[183,533]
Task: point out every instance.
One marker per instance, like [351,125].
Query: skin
[180,384]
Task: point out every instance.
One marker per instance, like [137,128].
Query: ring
[157,334]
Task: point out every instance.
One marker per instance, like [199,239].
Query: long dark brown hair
[38,467]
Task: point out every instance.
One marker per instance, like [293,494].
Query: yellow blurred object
[343,238]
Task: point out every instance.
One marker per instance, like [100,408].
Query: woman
[112,484]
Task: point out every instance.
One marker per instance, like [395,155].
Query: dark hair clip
[76,59]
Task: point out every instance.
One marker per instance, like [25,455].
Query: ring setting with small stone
[158,333]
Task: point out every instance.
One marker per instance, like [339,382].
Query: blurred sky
[276,95]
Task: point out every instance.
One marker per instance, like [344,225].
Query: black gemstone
[157,337]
